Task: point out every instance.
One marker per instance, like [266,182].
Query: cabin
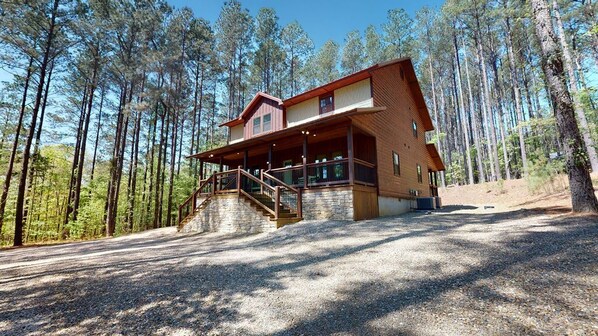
[352,149]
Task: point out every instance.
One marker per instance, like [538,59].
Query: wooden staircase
[285,214]
[274,199]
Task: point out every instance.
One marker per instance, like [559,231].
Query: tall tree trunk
[150,178]
[95,147]
[579,111]
[15,145]
[474,118]
[496,173]
[163,172]
[583,198]
[180,151]
[158,202]
[435,106]
[18,240]
[92,88]
[35,157]
[110,208]
[173,150]
[75,167]
[464,118]
[132,182]
[517,91]
[501,118]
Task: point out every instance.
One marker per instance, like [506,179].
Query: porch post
[270,157]
[245,157]
[239,181]
[200,170]
[350,154]
[305,161]
[221,165]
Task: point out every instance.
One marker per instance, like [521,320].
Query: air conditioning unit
[426,203]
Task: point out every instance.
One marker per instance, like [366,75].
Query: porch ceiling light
[211,155]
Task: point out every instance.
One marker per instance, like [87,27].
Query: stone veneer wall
[229,214]
[328,203]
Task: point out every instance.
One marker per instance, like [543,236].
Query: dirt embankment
[513,194]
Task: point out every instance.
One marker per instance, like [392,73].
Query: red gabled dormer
[263,115]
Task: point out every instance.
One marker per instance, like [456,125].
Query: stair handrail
[228,183]
[276,190]
[282,184]
[297,191]
[193,199]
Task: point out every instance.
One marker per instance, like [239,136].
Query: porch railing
[365,172]
[325,173]
[239,181]
[289,196]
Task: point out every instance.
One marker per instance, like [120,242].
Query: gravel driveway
[457,272]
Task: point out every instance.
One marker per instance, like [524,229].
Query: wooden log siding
[265,106]
[393,129]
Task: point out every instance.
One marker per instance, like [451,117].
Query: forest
[108,97]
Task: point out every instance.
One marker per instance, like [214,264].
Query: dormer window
[256,125]
[267,123]
[326,103]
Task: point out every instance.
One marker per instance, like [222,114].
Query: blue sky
[322,19]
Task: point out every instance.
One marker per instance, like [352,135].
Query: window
[414,128]
[396,163]
[326,103]
[322,171]
[419,174]
[256,125]
[267,126]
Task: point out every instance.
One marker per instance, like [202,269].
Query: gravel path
[457,272]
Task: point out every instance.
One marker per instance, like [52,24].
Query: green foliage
[455,173]
[543,174]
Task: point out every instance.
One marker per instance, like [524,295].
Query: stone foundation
[229,214]
[328,203]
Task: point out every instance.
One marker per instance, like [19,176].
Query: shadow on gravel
[567,252]
[156,291]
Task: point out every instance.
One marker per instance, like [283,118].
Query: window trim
[325,96]
[396,168]
[420,178]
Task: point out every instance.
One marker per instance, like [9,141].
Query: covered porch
[332,153]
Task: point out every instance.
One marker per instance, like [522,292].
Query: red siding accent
[264,107]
